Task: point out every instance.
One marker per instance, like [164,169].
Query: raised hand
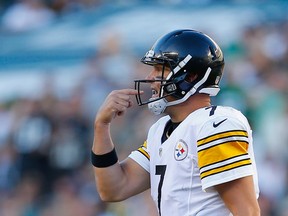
[116,104]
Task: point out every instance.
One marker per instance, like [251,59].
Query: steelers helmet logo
[181,150]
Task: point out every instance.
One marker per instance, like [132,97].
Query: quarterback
[198,158]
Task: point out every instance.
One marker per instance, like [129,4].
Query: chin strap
[157,107]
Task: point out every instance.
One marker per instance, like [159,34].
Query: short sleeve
[142,157]
[223,151]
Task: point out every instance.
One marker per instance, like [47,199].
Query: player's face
[157,74]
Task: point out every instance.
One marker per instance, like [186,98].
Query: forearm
[108,179]
[115,181]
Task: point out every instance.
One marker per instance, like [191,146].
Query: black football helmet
[185,52]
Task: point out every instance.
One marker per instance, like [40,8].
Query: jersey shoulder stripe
[143,150]
[225,161]
[222,152]
[228,167]
[221,135]
[244,143]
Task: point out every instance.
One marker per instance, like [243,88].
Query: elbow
[108,196]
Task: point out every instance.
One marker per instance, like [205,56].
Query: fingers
[116,104]
[122,97]
[126,92]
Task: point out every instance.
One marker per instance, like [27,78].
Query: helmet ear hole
[190,77]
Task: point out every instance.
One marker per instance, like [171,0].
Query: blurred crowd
[21,15]
[45,141]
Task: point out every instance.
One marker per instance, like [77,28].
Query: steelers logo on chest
[180,150]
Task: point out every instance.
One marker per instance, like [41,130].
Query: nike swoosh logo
[217,124]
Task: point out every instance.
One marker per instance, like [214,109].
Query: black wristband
[105,160]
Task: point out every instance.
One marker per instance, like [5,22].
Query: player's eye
[154,91]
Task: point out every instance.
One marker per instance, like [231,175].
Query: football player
[198,158]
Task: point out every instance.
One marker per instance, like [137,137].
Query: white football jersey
[213,145]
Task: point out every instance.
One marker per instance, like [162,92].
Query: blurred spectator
[114,60]
[27,15]
[73,6]
[70,139]
[6,119]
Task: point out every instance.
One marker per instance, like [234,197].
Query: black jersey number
[212,111]
[160,170]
